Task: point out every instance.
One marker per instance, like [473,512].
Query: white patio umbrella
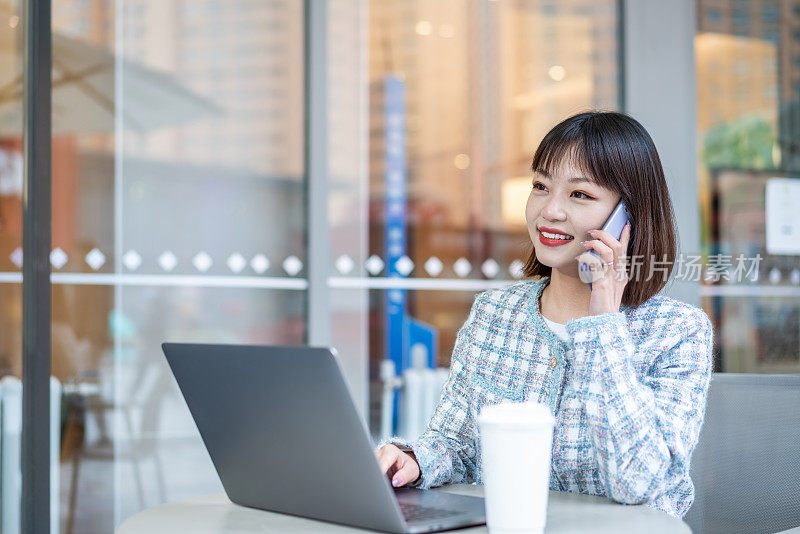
[84,90]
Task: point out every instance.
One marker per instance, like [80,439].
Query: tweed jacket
[628,398]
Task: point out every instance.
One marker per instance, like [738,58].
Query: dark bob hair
[618,153]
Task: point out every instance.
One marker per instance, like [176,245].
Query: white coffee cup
[516,446]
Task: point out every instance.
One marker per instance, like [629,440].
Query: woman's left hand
[607,290]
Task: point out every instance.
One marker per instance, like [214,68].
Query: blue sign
[420,333]
[395,222]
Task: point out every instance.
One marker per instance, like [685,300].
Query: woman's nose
[552,209]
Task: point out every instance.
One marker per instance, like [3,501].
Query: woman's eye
[585,196]
[534,186]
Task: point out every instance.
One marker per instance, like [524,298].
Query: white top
[558,329]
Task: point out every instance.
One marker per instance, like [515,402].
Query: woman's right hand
[399,465]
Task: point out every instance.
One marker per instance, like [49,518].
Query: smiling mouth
[560,237]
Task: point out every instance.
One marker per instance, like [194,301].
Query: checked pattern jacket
[628,392]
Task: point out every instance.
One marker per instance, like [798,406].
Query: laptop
[284,435]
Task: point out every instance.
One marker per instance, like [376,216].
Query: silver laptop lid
[283,432]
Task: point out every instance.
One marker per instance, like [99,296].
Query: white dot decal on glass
[557,72]
[490,268]
[95,259]
[774,275]
[794,277]
[404,265]
[259,263]
[58,258]
[16,257]
[374,264]
[344,264]
[423,27]
[132,260]
[462,267]
[202,262]
[434,266]
[236,262]
[516,269]
[167,261]
[292,265]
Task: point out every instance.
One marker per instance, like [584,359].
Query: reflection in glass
[467,90]
[483,83]
[129,440]
[178,214]
[748,83]
[11,163]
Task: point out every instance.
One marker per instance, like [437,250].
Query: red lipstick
[553,242]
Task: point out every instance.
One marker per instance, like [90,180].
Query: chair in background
[746,467]
[105,448]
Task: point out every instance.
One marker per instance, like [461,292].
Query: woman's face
[566,202]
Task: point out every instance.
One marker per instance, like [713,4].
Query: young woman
[624,369]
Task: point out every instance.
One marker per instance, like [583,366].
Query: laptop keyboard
[414,512]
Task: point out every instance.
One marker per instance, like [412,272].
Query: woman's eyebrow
[574,179]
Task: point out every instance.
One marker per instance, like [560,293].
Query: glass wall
[748,120]
[460,94]
[179,194]
[11,178]
[10,191]
[178,215]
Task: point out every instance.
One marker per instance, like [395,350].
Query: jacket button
[553,362]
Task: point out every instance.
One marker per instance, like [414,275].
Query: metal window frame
[318,246]
[659,90]
[36,232]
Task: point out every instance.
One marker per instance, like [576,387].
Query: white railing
[421,391]
[11,449]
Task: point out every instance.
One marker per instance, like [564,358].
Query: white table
[566,513]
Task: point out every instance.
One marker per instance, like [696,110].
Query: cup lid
[516,414]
